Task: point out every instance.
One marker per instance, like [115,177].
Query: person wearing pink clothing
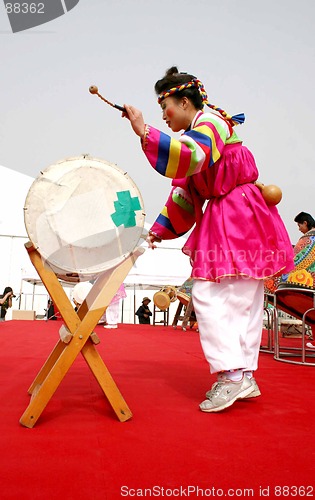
[111,315]
[237,240]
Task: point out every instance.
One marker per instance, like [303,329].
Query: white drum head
[84,216]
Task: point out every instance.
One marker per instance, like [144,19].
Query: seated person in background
[186,287]
[305,222]
[6,301]
[303,274]
[144,312]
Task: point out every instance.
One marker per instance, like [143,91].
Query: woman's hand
[151,239]
[136,119]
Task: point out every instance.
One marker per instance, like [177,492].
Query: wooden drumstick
[94,90]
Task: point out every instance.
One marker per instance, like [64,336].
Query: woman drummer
[238,240]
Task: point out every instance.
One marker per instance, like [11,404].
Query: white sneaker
[310,345]
[110,326]
[256,392]
[225,392]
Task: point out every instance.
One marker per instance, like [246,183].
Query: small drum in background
[186,287]
[295,300]
[164,297]
[184,292]
[80,292]
[84,216]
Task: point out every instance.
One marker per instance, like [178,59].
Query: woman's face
[303,227]
[175,113]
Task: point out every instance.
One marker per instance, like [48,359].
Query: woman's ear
[185,102]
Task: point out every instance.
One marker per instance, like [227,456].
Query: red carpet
[78,450]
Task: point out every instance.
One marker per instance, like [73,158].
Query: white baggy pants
[230,318]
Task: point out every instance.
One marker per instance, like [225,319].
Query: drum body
[84,216]
[164,297]
[295,300]
[183,298]
[80,291]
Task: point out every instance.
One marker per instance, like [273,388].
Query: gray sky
[253,57]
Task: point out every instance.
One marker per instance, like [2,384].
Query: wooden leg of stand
[51,360]
[45,391]
[106,382]
[187,314]
[177,314]
[81,325]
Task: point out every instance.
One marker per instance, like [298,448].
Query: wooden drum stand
[77,335]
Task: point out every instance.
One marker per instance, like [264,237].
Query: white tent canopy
[14,262]
[14,187]
[165,265]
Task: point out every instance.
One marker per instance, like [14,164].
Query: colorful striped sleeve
[177,216]
[195,150]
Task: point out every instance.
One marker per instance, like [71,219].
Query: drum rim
[293,287]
